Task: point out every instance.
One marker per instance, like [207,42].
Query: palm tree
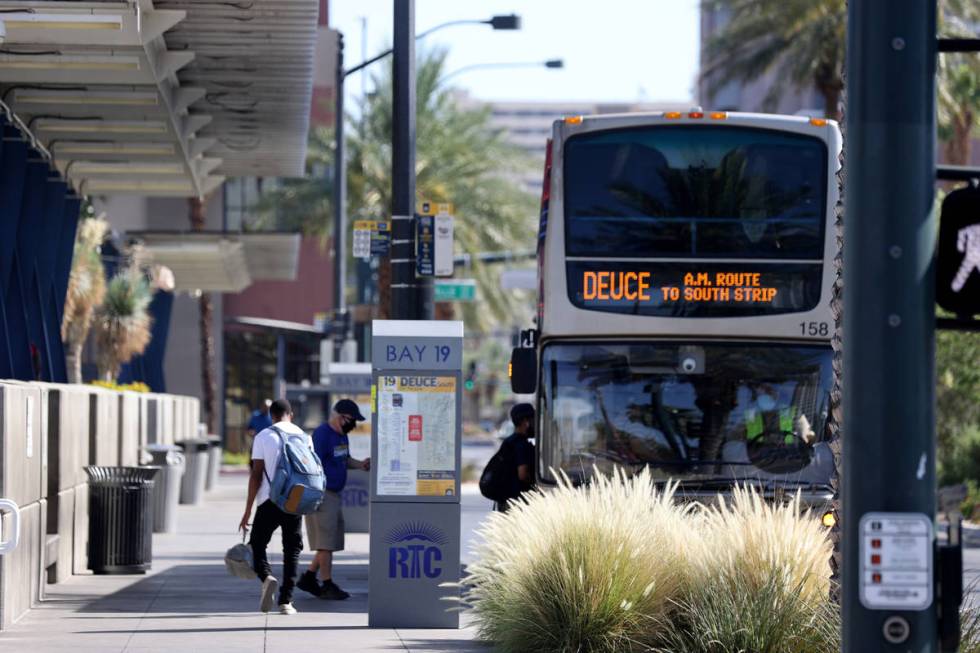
[958,96]
[459,159]
[86,290]
[801,41]
[123,323]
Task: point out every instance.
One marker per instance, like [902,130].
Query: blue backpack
[298,483]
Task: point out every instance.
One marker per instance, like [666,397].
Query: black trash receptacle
[120,539]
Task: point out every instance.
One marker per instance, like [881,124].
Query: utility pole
[339,210]
[889,485]
[411,296]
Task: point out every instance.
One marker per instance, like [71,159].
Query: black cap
[349,408]
[520,412]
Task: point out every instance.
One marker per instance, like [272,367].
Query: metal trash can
[120,539]
[195,470]
[166,492]
[214,461]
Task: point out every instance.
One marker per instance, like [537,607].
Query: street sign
[434,239]
[896,561]
[454,290]
[371,238]
[425,251]
[958,266]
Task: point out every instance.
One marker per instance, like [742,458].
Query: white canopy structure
[161,97]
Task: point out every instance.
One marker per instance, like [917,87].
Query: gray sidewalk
[188,601]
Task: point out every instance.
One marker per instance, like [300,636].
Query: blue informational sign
[381,238]
[425,245]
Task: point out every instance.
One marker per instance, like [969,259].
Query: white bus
[685,269]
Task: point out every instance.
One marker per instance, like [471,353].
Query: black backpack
[497,479]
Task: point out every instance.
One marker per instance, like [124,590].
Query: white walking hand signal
[968,242]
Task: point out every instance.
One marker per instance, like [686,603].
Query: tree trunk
[197,218]
[384,288]
[956,150]
[73,358]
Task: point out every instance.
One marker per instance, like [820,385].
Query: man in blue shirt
[325,527]
[260,419]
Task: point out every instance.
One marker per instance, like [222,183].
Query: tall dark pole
[889,314]
[340,208]
[411,297]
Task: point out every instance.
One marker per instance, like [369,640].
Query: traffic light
[470,382]
[958,265]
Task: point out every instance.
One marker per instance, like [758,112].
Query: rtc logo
[415,550]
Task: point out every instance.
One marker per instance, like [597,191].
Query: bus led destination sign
[697,287]
[711,290]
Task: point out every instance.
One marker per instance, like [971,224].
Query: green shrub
[959,460]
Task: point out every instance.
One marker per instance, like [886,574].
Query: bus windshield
[688,412]
[691,191]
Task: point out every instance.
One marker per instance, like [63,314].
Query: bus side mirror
[524,370]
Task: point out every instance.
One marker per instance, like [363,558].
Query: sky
[613,50]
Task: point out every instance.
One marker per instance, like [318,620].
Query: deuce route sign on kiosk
[415,473]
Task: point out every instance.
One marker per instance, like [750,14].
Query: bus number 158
[814,329]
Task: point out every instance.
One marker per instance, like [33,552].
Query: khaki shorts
[325,527]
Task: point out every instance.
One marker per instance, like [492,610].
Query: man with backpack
[281,454]
[510,471]
[325,527]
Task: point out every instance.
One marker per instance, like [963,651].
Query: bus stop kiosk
[415,473]
[353,380]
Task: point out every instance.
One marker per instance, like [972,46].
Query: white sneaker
[287,608]
[269,588]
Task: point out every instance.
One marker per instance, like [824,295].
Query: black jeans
[268,517]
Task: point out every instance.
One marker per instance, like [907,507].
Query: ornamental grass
[620,566]
[582,569]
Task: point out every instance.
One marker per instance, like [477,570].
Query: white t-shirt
[266,447]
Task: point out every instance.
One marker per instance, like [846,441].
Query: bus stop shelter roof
[161,97]
[220,261]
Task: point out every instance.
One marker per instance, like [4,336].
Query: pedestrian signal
[958,267]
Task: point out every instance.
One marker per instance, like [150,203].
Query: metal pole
[339,206]
[411,297]
[889,312]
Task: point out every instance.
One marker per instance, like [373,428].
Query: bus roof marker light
[573,120]
[718,115]
[697,115]
[818,122]
[672,115]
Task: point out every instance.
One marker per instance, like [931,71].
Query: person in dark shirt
[260,419]
[520,452]
[325,527]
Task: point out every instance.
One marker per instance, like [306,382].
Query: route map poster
[416,435]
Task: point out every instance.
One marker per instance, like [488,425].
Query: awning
[163,98]
[220,261]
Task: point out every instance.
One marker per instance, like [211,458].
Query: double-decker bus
[685,265]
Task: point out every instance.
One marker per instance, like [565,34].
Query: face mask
[766,402]
[348,426]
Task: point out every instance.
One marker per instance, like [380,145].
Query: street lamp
[499,22]
[550,63]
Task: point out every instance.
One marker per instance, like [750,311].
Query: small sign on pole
[371,238]
[434,239]
[454,290]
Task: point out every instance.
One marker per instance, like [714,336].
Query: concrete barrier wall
[48,434]
[104,427]
[129,429]
[21,478]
